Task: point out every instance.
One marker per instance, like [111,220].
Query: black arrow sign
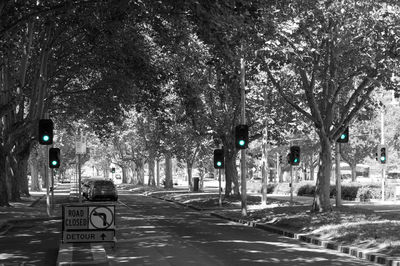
[103,236]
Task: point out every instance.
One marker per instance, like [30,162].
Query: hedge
[351,191]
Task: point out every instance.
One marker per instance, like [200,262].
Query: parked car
[99,189]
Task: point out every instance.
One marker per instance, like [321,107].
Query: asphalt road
[30,243]
[155,232]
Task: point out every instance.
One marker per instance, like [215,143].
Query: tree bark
[322,201]
[189,166]
[158,172]
[353,172]
[33,164]
[140,171]
[3,184]
[124,174]
[168,172]
[151,164]
[231,174]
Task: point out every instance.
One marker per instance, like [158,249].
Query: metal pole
[79,178]
[52,190]
[338,177]
[243,122]
[46,174]
[291,184]
[382,143]
[219,188]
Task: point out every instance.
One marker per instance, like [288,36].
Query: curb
[36,201]
[349,250]
[65,255]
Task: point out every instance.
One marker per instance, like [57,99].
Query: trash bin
[196,183]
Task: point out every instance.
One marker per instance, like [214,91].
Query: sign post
[80,148]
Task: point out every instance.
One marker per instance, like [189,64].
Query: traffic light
[344,137]
[45,132]
[382,154]
[241,136]
[294,155]
[280,159]
[218,158]
[54,157]
[113,170]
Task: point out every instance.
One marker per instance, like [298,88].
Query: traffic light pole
[243,122]
[219,188]
[46,176]
[338,177]
[79,178]
[52,190]
[291,184]
[383,143]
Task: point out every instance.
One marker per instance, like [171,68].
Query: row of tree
[166,74]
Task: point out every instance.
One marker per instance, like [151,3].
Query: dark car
[100,189]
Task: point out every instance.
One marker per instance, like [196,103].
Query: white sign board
[80,145]
[88,236]
[101,217]
[88,223]
[75,217]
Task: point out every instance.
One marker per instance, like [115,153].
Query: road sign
[88,236]
[80,145]
[75,217]
[88,223]
[101,217]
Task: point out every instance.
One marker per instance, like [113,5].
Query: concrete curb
[349,250]
[65,255]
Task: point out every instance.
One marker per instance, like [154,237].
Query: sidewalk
[301,205]
[34,209]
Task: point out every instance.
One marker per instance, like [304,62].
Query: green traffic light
[383,158]
[343,136]
[241,142]
[219,163]
[54,163]
[296,160]
[46,138]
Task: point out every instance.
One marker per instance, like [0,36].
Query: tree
[325,59]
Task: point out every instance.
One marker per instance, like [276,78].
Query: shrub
[306,190]
[271,187]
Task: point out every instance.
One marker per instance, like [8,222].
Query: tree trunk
[13,178]
[3,183]
[140,172]
[33,164]
[133,180]
[158,173]
[322,201]
[168,172]
[353,172]
[231,174]
[151,164]
[312,171]
[22,174]
[189,166]
[124,174]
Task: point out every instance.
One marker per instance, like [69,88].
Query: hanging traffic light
[294,155]
[45,131]
[382,155]
[54,158]
[219,159]
[241,136]
[344,137]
